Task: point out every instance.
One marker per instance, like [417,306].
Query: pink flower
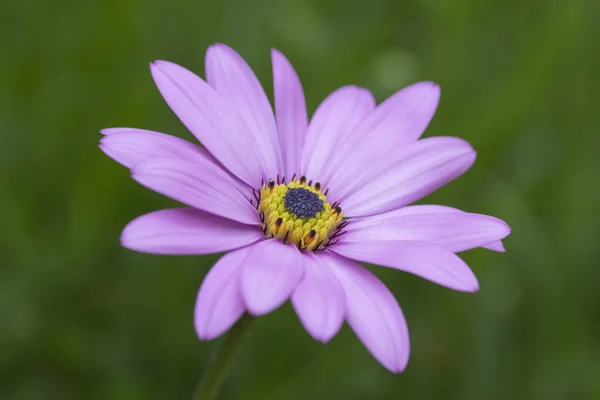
[296,203]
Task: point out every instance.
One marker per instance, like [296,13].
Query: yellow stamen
[309,233]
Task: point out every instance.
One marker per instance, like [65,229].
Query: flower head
[296,203]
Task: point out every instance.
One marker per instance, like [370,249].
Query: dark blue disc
[303,203]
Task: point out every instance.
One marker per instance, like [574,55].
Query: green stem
[209,385]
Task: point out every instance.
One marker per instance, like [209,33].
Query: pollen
[299,212]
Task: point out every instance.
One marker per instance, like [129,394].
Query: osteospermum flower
[296,203]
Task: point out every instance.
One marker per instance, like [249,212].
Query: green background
[83,318]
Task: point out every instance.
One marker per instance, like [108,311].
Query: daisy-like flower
[296,203]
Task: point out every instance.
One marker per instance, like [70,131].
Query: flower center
[302,202]
[299,212]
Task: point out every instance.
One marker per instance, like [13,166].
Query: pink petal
[319,299]
[212,119]
[418,170]
[427,260]
[201,185]
[331,124]
[456,231]
[235,82]
[186,231]
[290,110]
[372,312]
[395,123]
[270,274]
[219,303]
[130,146]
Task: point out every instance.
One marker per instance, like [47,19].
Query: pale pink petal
[319,299]
[372,312]
[290,111]
[270,274]
[219,303]
[201,185]
[186,231]
[235,82]
[430,209]
[330,126]
[395,123]
[212,120]
[456,231]
[427,260]
[418,170]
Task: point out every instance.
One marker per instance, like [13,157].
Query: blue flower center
[303,203]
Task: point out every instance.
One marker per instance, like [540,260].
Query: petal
[420,169]
[495,246]
[235,82]
[130,146]
[270,274]
[427,260]
[319,299]
[186,231]
[211,119]
[201,185]
[112,131]
[456,231]
[430,209]
[398,121]
[219,303]
[372,312]
[290,110]
[335,118]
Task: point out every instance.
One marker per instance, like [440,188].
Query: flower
[296,204]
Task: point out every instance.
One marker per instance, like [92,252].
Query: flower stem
[209,385]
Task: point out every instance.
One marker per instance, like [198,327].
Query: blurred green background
[83,318]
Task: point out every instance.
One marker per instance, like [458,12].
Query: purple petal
[212,120]
[319,299]
[495,246]
[335,118]
[431,209]
[112,131]
[186,231]
[219,303]
[418,170]
[233,79]
[130,146]
[456,231]
[290,110]
[372,312]
[426,260]
[398,121]
[201,185]
[270,274]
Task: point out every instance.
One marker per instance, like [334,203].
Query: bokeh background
[82,318]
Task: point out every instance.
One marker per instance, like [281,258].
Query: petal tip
[276,53]
[257,310]
[203,332]
[159,66]
[126,238]
[219,48]
[474,287]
